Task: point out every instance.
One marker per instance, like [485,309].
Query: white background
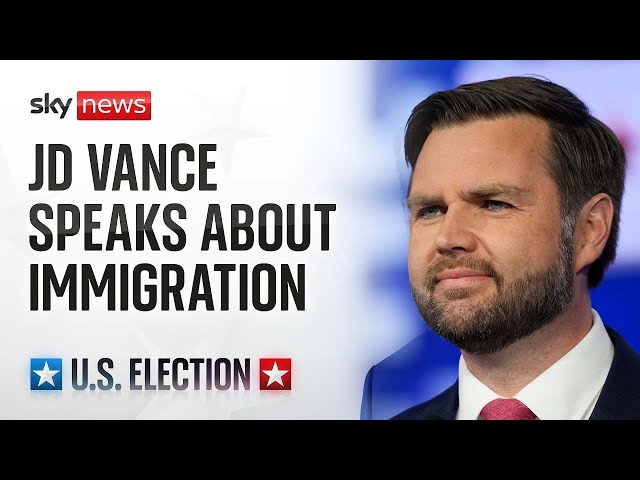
[287,132]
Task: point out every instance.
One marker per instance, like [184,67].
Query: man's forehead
[484,137]
[506,150]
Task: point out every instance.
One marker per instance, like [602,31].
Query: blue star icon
[46,374]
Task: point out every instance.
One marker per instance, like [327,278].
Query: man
[514,199]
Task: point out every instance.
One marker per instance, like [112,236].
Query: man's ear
[593,227]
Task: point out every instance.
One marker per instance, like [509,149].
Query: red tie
[506,409]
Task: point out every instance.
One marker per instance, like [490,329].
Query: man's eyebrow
[420,200]
[496,190]
[477,193]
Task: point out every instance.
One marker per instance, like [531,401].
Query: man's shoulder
[420,370]
[442,407]
[625,358]
[620,396]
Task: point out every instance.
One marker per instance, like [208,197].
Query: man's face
[488,263]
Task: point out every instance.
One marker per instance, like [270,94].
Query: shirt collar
[566,390]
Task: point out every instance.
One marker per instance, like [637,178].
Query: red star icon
[275,374]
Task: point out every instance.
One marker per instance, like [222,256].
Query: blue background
[427,365]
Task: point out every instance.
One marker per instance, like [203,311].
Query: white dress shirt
[567,390]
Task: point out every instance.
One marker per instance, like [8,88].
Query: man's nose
[455,232]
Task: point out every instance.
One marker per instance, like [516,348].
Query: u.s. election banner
[228,239]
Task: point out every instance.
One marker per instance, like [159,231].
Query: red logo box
[275,374]
[114,105]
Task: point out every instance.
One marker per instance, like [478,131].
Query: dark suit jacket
[619,399]
[419,370]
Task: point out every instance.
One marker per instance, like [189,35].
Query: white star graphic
[227,124]
[46,375]
[275,375]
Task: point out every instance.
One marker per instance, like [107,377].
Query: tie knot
[506,409]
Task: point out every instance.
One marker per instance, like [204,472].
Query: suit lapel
[444,406]
[620,396]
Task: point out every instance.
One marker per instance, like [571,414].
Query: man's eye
[429,212]
[496,205]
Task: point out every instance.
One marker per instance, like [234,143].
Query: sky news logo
[97,105]
[163,374]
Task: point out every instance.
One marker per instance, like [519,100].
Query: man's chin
[452,295]
[457,293]
[458,320]
[475,289]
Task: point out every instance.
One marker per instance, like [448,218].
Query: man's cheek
[416,269]
[417,272]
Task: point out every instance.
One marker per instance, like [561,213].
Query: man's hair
[585,156]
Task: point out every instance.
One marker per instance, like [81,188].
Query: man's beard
[517,310]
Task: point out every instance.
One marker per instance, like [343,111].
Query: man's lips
[459,273]
[460,278]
